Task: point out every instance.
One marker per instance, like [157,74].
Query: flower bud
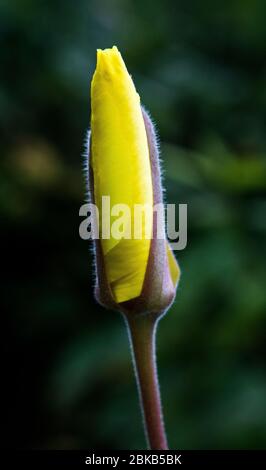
[133,275]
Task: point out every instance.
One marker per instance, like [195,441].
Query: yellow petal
[121,168]
[173,266]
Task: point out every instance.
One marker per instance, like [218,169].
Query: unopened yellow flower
[121,167]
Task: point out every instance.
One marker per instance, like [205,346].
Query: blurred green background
[200,69]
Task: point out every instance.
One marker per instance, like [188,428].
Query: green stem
[142,332]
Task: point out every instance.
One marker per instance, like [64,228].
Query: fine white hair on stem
[88,196]
[85,164]
[157,146]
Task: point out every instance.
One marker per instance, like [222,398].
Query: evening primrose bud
[134,274]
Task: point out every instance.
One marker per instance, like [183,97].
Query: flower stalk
[142,337]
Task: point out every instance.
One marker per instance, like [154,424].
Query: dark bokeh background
[200,69]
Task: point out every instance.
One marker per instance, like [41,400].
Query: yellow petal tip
[108,58]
